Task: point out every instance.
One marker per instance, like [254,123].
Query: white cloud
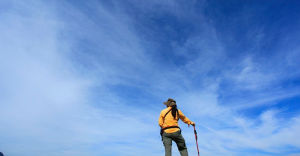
[48,88]
[46,100]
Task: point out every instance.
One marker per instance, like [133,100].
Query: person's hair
[174,111]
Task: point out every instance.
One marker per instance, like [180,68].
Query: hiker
[168,121]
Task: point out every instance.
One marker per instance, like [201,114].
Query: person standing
[170,131]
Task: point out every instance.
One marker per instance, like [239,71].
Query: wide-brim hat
[169,101]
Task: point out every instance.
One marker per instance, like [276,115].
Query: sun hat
[170,102]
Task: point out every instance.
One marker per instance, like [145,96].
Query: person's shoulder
[164,110]
[179,111]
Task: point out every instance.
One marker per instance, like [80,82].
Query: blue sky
[89,78]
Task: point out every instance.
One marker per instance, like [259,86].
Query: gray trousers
[179,140]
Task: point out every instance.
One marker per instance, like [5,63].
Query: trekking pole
[196,139]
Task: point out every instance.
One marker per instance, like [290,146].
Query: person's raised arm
[185,119]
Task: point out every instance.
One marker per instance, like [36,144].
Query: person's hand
[193,124]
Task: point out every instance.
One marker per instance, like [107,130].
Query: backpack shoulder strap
[167,113]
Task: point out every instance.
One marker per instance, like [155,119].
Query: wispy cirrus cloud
[46,96]
[90,79]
